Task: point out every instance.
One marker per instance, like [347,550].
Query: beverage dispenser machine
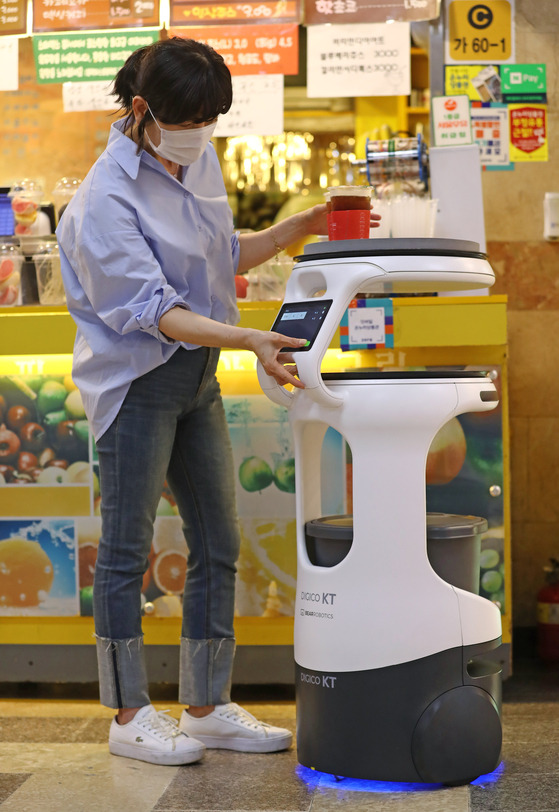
[392,678]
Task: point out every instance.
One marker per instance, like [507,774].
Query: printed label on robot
[322,680]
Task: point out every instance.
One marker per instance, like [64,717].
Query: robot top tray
[418,246]
[365,374]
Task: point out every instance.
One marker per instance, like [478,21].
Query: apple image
[33,437]
[8,472]
[51,397]
[26,461]
[255,474]
[23,478]
[10,445]
[17,416]
[284,476]
[66,440]
[446,454]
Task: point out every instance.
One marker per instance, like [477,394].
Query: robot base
[432,720]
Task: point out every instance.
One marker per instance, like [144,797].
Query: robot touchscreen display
[301,320]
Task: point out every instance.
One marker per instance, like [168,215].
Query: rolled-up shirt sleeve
[125,284]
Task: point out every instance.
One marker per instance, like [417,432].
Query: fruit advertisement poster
[38,567]
[465,477]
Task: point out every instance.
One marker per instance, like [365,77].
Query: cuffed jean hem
[122,673]
[206,667]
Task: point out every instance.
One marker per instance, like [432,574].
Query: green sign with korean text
[84,57]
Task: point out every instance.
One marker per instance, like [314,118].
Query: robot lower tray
[364,374]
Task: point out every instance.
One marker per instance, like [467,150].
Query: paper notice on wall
[490,128]
[9,63]
[369,59]
[83,96]
[257,107]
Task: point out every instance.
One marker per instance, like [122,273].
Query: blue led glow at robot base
[314,779]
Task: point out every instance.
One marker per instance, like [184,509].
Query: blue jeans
[171,426]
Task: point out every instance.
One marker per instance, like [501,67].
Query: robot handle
[278,394]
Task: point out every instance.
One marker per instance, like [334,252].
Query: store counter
[55,501]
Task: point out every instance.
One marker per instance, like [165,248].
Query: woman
[148,259]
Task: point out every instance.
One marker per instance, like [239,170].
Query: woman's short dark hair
[181,80]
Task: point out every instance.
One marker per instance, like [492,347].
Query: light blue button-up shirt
[135,242]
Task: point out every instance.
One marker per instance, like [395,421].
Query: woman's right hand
[281,366]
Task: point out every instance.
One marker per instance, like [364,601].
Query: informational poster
[78,97]
[490,128]
[193,12]
[358,60]
[367,324]
[369,11]
[257,107]
[252,49]
[68,15]
[451,121]
[86,57]
[481,32]
[478,82]
[9,63]
[528,132]
[13,14]
[524,83]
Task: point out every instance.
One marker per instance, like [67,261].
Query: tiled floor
[54,758]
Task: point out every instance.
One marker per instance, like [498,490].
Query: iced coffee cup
[349,212]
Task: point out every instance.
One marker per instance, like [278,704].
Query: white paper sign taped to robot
[366,325]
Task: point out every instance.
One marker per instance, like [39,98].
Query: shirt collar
[123,149]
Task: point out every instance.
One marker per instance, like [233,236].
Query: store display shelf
[158,631]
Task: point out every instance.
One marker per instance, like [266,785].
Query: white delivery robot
[391,679]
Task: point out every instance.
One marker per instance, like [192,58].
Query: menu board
[67,15]
[93,57]
[252,49]
[213,12]
[369,11]
[13,15]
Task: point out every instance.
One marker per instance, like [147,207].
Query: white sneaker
[155,737]
[233,728]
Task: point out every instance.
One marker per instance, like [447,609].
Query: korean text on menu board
[192,12]
[68,15]
[12,17]
[369,11]
[252,49]
[86,57]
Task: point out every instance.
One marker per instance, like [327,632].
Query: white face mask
[182,146]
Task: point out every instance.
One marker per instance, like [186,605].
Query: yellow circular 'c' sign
[479,30]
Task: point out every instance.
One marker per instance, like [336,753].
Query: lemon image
[268,553]
[26,573]
[255,474]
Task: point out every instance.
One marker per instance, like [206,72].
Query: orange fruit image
[169,571]
[447,454]
[26,573]
[87,556]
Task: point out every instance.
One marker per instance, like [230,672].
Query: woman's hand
[279,365]
[317,223]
